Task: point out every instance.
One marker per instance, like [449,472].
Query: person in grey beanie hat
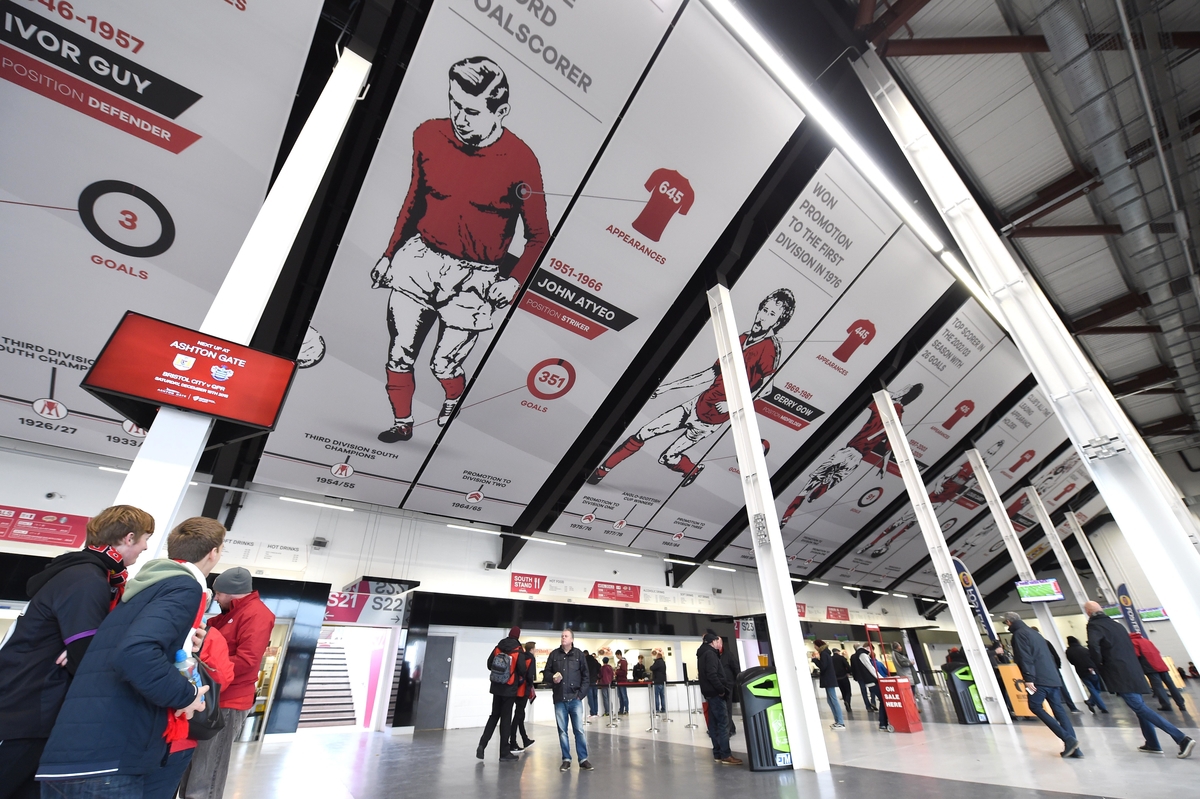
[234,583]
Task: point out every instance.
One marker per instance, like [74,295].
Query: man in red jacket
[246,625]
[1157,672]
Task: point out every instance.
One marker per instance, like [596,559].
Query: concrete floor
[945,760]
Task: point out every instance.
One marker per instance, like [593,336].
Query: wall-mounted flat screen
[1039,591]
[163,364]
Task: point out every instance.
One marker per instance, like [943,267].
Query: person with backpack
[527,669]
[505,682]
[68,601]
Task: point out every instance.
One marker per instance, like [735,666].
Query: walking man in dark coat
[1042,680]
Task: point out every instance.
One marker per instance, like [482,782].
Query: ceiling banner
[705,125]
[501,112]
[136,152]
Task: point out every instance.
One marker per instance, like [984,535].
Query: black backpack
[503,666]
[207,723]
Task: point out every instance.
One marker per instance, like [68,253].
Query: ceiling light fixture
[681,562]
[817,582]
[901,596]
[619,552]
[777,66]
[881,593]
[543,540]
[474,529]
[318,504]
[721,568]
[112,469]
[851,587]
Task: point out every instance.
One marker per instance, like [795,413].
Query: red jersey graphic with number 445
[670,194]
[858,334]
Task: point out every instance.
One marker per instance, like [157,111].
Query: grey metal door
[435,683]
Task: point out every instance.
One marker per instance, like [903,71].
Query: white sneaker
[447,411]
[837,726]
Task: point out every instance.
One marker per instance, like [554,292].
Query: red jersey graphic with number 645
[670,194]
[858,334]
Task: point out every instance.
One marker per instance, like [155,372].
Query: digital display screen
[1039,591]
[165,364]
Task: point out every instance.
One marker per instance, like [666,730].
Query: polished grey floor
[343,764]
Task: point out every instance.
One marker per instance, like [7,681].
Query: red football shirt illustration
[762,359]
[963,410]
[670,193]
[858,334]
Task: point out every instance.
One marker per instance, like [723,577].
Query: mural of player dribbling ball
[447,266]
[702,415]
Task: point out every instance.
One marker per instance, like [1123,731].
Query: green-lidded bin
[762,720]
[968,704]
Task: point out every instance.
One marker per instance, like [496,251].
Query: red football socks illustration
[685,465]
[631,445]
[453,386]
[400,387]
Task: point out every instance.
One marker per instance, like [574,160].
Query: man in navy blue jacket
[113,731]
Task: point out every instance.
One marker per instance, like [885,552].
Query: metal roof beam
[1147,379]
[1057,231]
[1110,311]
[1051,197]
[1172,424]
[893,20]
[990,45]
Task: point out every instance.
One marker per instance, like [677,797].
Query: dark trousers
[110,786]
[593,698]
[502,710]
[844,687]
[18,763]
[518,723]
[1060,722]
[1148,720]
[866,693]
[1161,683]
[1066,696]
[1092,681]
[729,713]
[883,722]
[718,727]
[164,782]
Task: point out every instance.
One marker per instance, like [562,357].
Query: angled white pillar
[166,462]
[796,693]
[1060,549]
[1021,561]
[1106,587]
[1162,533]
[939,556]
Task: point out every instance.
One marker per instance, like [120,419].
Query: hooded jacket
[1115,658]
[512,647]
[862,667]
[658,671]
[1034,657]
[246,627]
[1081,659]
[1148,654]
[68,601]
[713,681]
[115,713]
[829,674]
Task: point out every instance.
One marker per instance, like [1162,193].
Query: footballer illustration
[447,266]
[869,443]
[702,415]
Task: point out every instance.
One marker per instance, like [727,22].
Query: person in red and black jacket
[504,689]
[246,624]
[68,600]
[527,669]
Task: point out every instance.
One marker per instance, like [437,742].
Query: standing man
[841,668]
[1157,672]
[68,601]
[715,689]
[1079,657]
[729,661]
[1042,681]
[639,669]
[447,264]
[527,668]
[863,670]
[829,681]
[245,623]
[505,682]
[593,685]
[658,676]
[622,677]
[128,704]
[903,661]
[568,671]
[699,417]
[1115,658]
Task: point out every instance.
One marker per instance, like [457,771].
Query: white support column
[939,556]
[1060,549]
[796,694]
[1106,587]
[1161,530]
[167,460]
[1021,561]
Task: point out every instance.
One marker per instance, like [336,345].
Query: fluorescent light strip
[721,568]
[543,540]
[778,67]
[816,582]
[682,562]
[317,504]
[851,587]
[474,529]
[881,593]
[619,552]
[901,596]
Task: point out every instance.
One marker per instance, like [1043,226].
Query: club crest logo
[183,362]
[221,372]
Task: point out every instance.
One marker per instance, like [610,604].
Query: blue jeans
[883,720]
[604,691]
[1148,720]
[572,710]
[593,698]
[622,699]
[1092,681]
[1062,727]
[718,726]
[164,782]
[831,696]
[660,697]
[110,786]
